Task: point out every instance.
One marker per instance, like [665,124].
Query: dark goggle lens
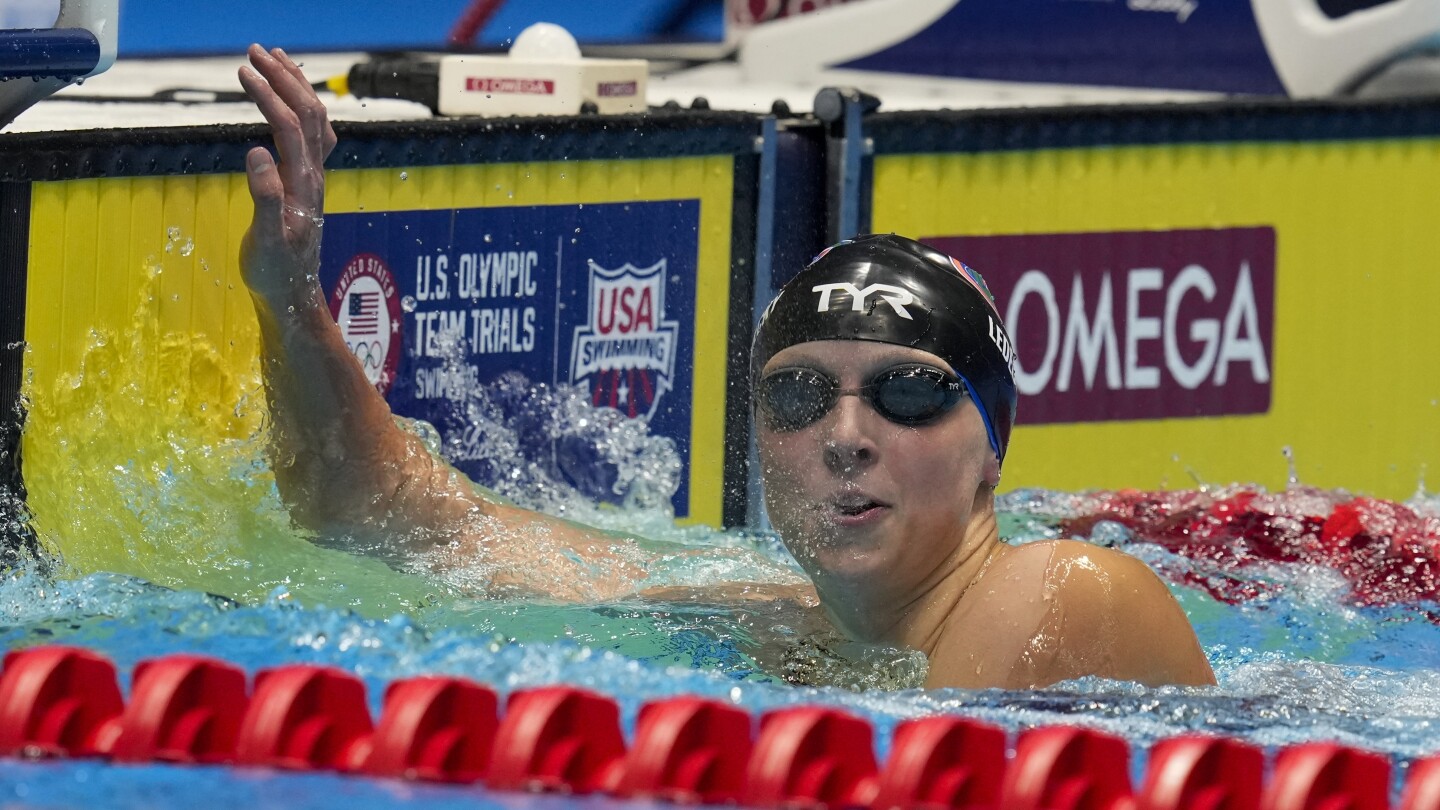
[913,395]
[793,398]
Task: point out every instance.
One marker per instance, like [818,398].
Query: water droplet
[187,248]
[404,176]
[173,233]
[489,239]
[408,303]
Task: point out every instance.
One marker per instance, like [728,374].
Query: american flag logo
[364,313]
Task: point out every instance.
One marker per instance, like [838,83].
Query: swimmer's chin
[834,537]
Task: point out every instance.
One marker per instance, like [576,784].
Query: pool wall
[608,252]
[1192,289]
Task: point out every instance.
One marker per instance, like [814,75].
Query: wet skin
[895,525]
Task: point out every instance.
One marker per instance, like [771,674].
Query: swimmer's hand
[280,254]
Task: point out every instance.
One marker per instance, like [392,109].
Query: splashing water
[136,475]
[150,461]
[158,504]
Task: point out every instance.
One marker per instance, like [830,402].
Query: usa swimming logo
[625,353]
[367,307]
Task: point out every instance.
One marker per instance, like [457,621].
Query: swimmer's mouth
[855,505]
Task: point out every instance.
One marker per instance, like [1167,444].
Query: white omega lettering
[1233,347]
[1089,340]
[1078,341]
[1141,279]
[1202,330]
[1037,283]
[896,297]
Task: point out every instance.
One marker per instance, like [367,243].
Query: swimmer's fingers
[314,116]
[283,121]
[277,94]
[295,90]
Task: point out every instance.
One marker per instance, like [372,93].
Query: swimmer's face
[860,500]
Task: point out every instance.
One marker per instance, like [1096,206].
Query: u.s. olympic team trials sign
[436,303]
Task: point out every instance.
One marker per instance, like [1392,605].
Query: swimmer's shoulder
[1110,615]
[1057,610]
[996,620]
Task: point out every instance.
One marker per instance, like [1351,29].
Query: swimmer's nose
[849,443]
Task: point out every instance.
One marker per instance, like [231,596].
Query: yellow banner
[1352,389]
[141,361]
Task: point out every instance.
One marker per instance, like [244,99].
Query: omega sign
[1135,324]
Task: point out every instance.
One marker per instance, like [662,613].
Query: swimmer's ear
[991,472]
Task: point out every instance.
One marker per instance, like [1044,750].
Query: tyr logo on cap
[896,297]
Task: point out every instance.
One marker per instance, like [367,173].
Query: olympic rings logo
[371,355]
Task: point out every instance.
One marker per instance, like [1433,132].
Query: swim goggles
[793,398]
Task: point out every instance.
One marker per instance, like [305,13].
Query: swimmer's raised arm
[347,471]
[342,464]
[340,461]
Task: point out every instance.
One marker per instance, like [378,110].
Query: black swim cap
[891,289]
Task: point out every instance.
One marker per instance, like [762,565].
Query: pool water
[164,534]
[1296,665]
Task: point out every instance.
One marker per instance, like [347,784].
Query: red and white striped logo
[367,307]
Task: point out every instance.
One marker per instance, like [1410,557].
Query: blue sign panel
[1181,44]
[435,304]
